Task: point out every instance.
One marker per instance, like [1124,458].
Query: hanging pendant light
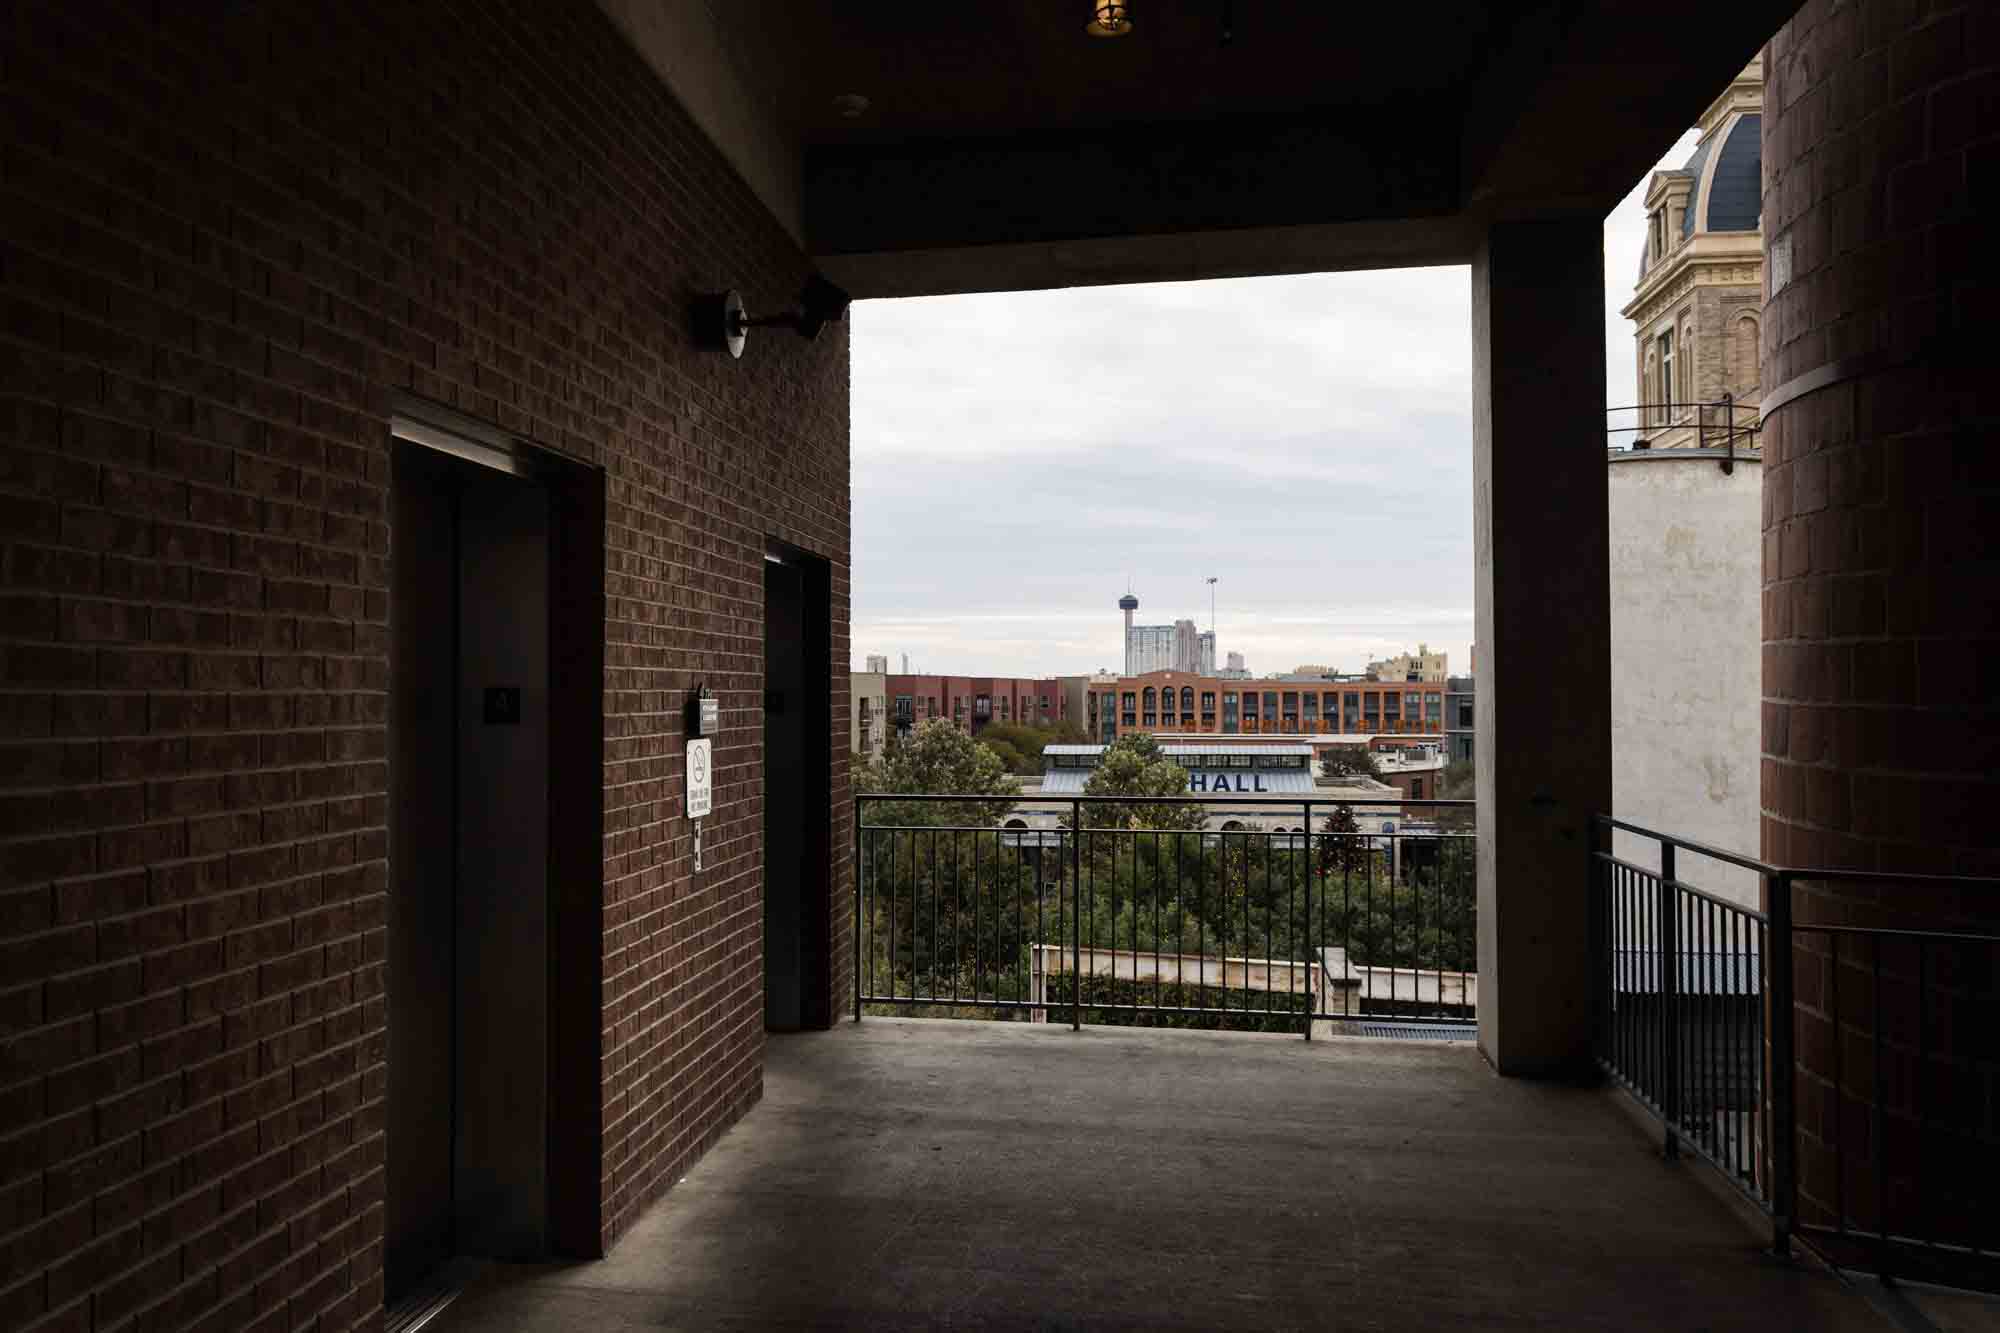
[1109,18]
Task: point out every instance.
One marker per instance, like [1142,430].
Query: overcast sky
[1307,441]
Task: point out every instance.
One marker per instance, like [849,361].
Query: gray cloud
[1307,440]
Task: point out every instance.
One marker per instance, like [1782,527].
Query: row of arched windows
[1165,698]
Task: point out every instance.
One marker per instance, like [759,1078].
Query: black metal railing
[1680,1003]
[1899,1103]
[1167,910]
[1722,424]
[1836,1055]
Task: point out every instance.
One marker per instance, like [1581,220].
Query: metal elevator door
[784,716]
[798,687]
[467,959]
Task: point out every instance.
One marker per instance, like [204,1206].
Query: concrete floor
[914,1174]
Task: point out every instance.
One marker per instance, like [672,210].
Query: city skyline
[1055,630]
[1306,440]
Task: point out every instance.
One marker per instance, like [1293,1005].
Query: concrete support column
[1542,617]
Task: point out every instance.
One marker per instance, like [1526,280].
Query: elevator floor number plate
[700,779]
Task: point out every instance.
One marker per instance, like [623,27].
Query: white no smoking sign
[700,779]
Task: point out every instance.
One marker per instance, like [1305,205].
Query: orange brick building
[1174,701]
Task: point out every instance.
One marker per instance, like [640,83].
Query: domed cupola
[1718,189]
[1729,195]
[1697,306]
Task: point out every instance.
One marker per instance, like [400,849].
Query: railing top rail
[1066,798]
[1682,885]
[1801,874]
[1689,844]
[1798,875]
[1898,932]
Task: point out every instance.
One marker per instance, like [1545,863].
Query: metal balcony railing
[1724,425]
[1083,908]
[1680,1008]
[1842,1072]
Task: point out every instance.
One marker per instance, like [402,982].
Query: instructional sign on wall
[700,779]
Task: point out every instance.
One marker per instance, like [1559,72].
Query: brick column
[1881,737]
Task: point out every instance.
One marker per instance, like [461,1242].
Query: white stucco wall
[1686,580]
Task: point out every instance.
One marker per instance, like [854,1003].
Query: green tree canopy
[1011,758]
[1342,761]
[1456,784]
[1341,845]
[1134,766]
[1020,744]
[938,759]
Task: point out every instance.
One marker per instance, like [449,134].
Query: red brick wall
[1024,698]
[225,241]
[1882,490]
[1881,538]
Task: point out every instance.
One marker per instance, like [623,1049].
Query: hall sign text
[1243,782]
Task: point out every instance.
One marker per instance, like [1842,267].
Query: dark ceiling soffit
[1584,98]
[1147,181]
[1510,75]
[1241,252]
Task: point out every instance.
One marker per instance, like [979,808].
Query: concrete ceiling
[975,69]
[1001,147]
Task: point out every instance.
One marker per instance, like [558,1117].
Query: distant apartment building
[1423,666]
[1417,773]
[1176,647]
[1075,692]
[1149,648]
[1169,702]
[971,703]
[1458,730]
[868,712]
[1234,669]
[879,663]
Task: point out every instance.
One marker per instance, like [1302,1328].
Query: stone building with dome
[1699,297]
[1686,505]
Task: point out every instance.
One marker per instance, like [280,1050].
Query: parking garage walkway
[933,1174]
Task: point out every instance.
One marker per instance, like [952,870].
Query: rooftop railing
[1274,914]
[1731,430]
[1833,1053]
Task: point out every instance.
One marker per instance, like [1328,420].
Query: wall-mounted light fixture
[720,321]
[1109,18]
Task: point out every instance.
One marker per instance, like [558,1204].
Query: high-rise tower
[1128,604]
